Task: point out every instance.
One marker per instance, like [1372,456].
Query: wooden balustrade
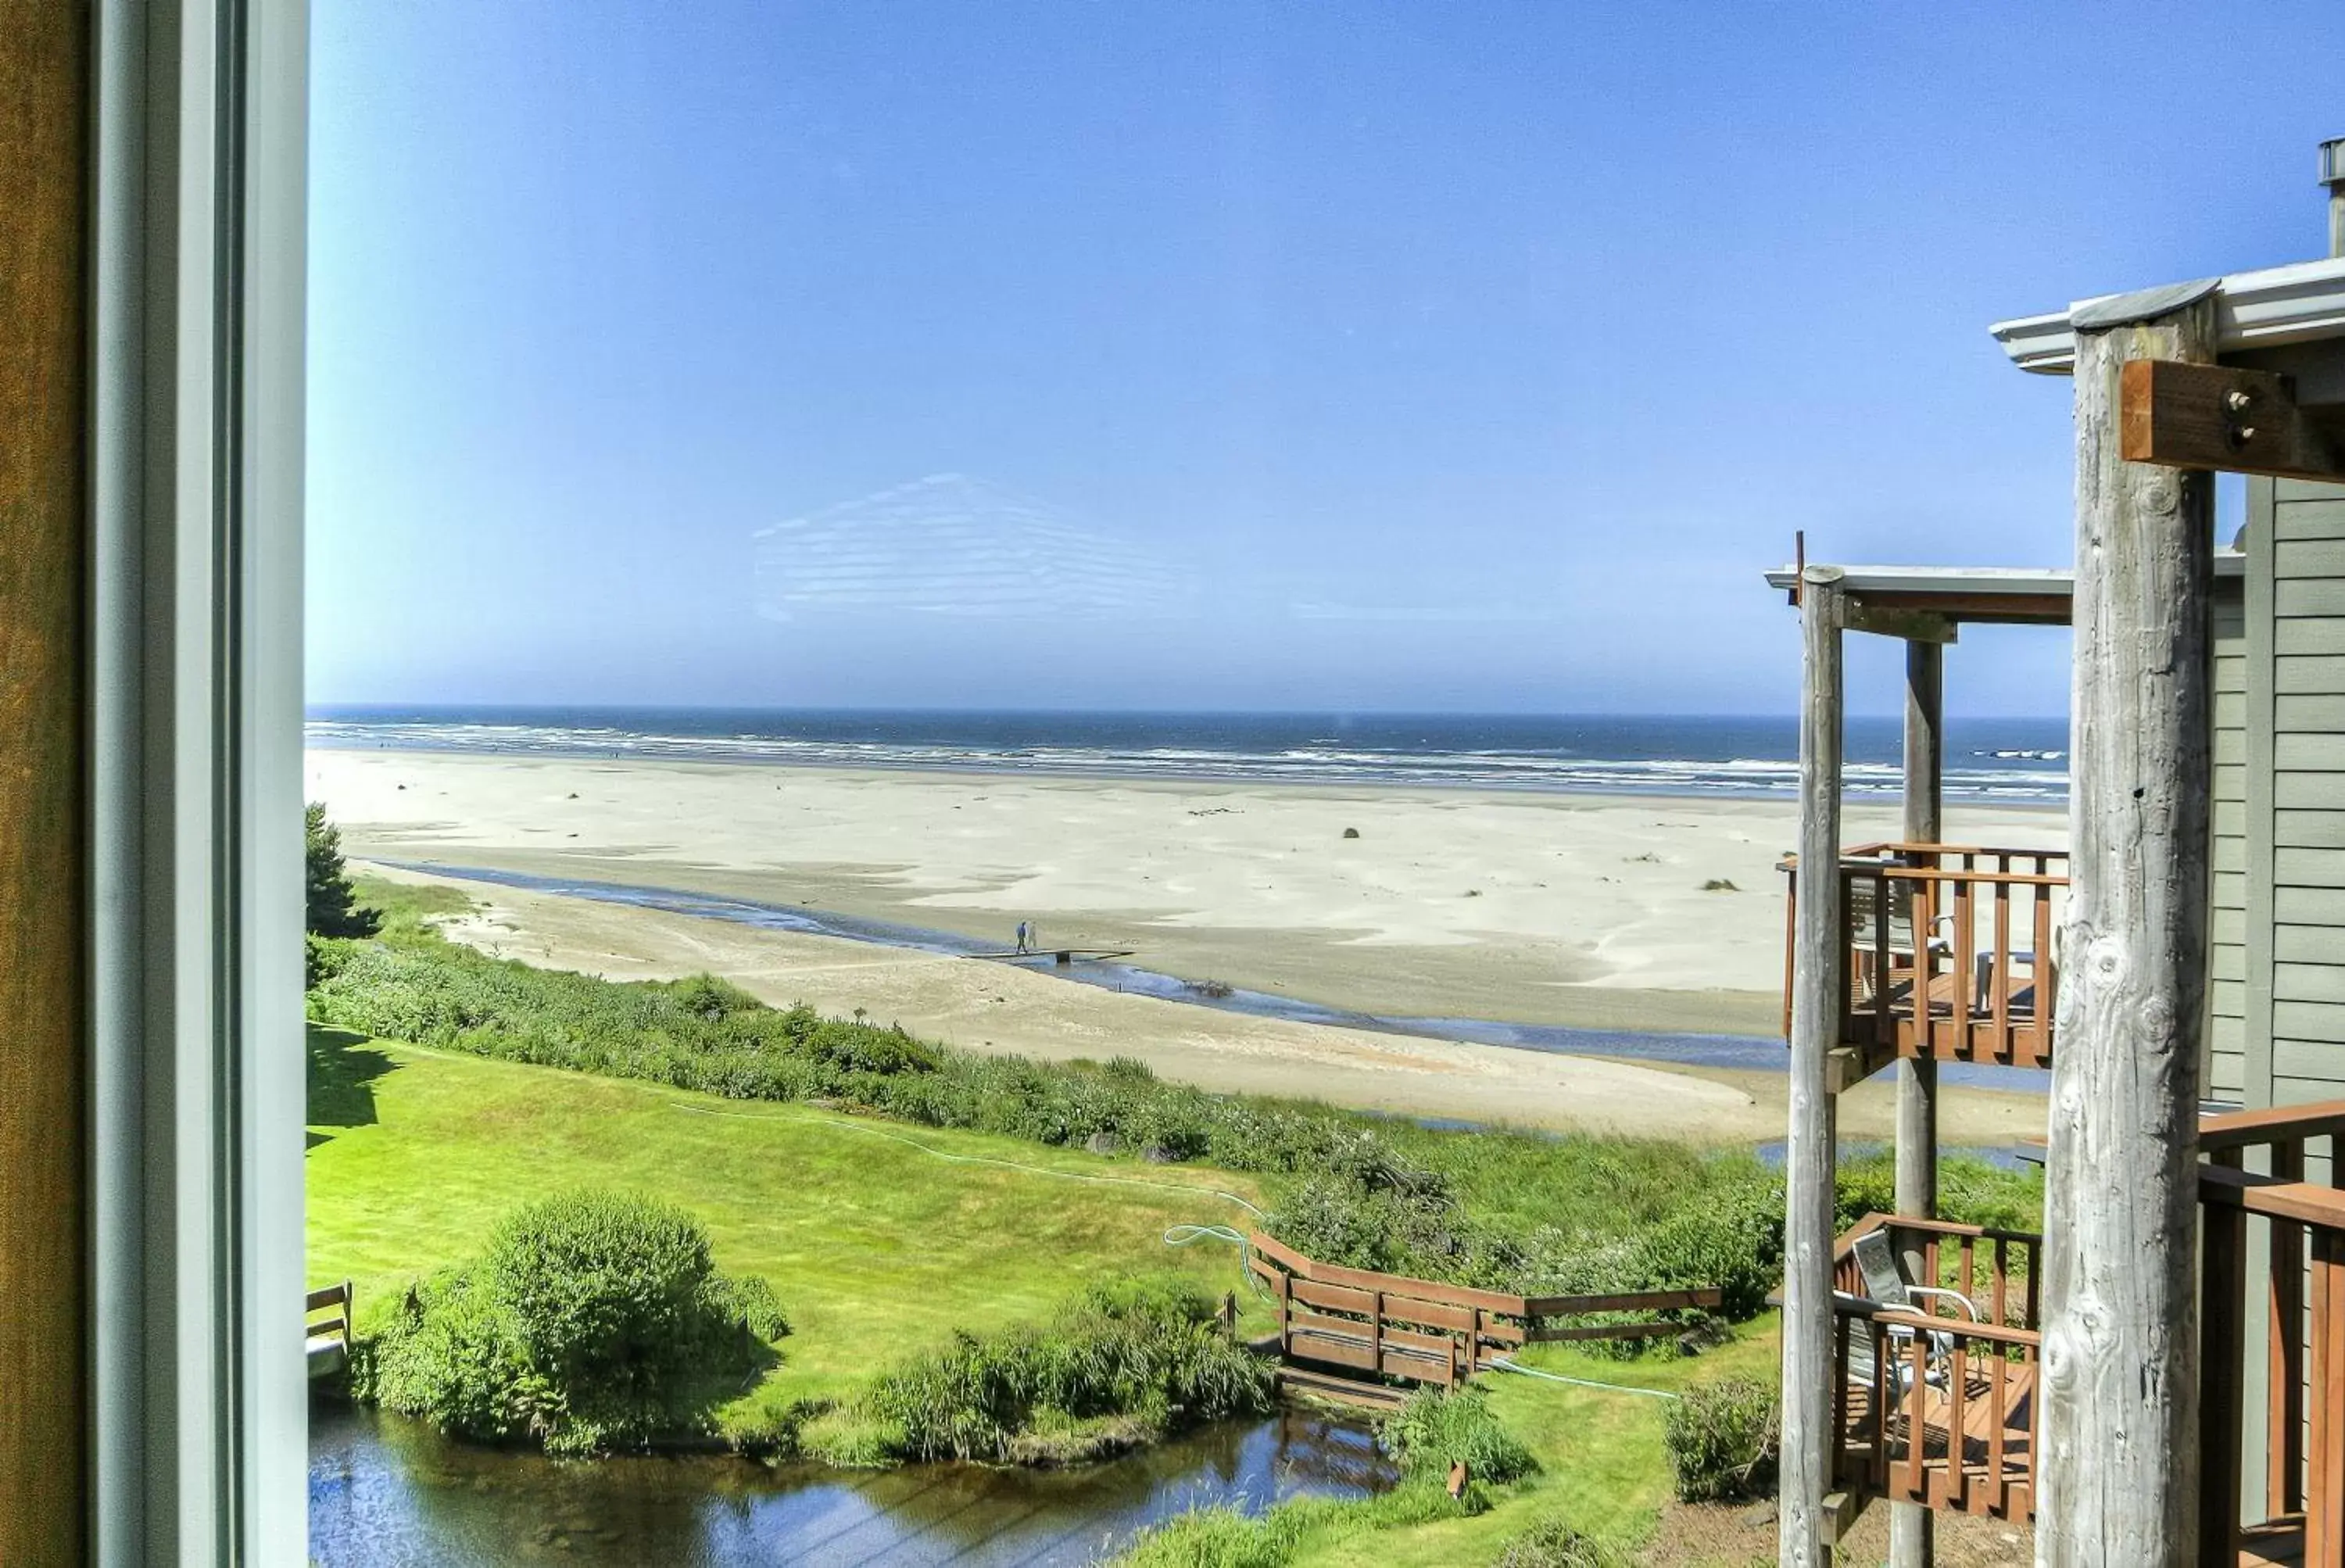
[1937,1410]
[1952,952]
[2297,1342]
[1933,1407]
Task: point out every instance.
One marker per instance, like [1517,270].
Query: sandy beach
[1587,910]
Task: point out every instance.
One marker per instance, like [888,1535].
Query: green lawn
[874,1247]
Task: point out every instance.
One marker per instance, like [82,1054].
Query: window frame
[198,1404]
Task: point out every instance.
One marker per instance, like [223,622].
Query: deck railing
[2297,1342]
[1953,951]
[1936,1406]
[1939,1410]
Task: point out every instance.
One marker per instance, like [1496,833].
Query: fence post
[1285,1317]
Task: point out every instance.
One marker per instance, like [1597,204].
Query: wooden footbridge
[1363,1337]
[1060,956]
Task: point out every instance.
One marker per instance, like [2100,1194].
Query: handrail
[1913,847]
[2278,1123]
[2307,1202]
[1938,1228]
[1849,1306]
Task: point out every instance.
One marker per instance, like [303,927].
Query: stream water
[1747,1053]
[385,1492]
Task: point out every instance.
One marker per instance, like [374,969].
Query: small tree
[333,909]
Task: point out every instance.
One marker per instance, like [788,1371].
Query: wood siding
[2291,1017]
[2226,1000]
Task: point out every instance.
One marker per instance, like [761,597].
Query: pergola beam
[2182,415]
[1909,625]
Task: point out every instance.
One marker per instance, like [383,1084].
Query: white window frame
[198,1414]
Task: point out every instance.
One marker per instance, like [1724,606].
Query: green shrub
[1121,1363]
[332,907]
[592,1320]
[1436,1430]
[1228,1538]
[1552,1543]
[1722,1439]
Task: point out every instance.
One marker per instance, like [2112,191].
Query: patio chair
[1885,1282]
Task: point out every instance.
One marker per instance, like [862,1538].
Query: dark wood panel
[43,138]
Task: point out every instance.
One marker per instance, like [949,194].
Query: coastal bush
[592,1320]
[1436,1430]
[1120,1364]
[1428,1435]
[1722,1439]
[1226,1537]
[1552,1543]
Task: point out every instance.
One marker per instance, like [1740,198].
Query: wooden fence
[1424,1331]
[327,1338]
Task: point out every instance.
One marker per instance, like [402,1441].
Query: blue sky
[1190,354]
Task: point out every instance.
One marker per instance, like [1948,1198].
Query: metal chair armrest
[1956,1297]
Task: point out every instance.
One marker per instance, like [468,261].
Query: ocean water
[2017,761]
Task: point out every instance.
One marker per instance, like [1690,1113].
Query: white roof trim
[2294,304]
[2015,580]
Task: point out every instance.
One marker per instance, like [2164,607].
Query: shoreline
[1174,777]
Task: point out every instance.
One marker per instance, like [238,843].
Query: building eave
[2301,303]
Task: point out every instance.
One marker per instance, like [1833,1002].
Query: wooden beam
[2223,417]
[1895,621]
[1808,1525]
[1911,1538]
[43,1293]
[2119,1457]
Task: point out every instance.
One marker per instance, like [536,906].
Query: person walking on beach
[1025,936]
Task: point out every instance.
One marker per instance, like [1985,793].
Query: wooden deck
[1984,967]
[1997,1417]
[1935,1408]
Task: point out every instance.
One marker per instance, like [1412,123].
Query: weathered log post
[1819,950]
[2120,1464]
[1912,1536]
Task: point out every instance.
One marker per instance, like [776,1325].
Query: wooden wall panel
[43,203]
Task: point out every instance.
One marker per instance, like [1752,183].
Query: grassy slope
[873,1247]
[876,1247]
